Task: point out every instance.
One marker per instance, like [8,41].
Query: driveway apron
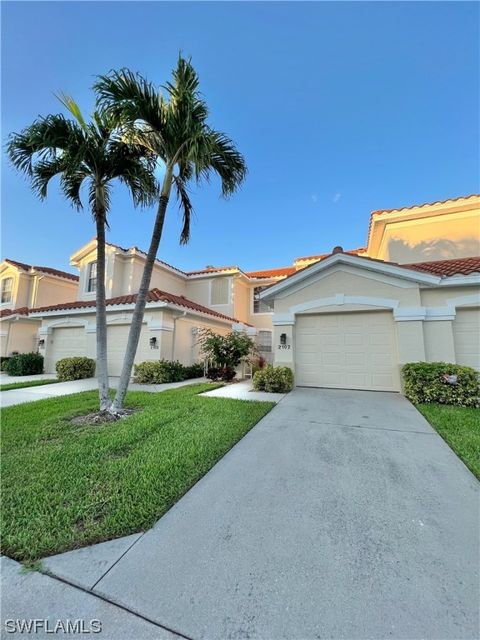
[342,514]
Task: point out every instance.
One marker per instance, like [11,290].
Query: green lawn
[460,428]
[66,486]
[24,385]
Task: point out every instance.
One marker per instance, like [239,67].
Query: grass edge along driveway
[66,486]
[25,384]
[460,428]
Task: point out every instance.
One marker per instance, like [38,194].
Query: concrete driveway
[342,514]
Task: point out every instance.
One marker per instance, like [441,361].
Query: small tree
[225,353]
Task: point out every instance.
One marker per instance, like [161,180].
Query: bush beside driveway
[67,485]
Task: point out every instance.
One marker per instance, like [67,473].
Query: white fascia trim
[440,313]
[460,280]
[18,317]
[126,307]
[91,310]
[340,299]
[361,263]
[283,319]
[405,314]
[459,301]
[214,274]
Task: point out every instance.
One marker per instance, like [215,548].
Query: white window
[7,288]
[92,277]
[264,341]
[258,305]
[219,291]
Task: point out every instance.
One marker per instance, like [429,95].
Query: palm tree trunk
[138,313]
[102,365]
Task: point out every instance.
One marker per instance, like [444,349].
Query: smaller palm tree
[175,130]
[90,154]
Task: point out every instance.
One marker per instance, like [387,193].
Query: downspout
[175,318]
[8,337]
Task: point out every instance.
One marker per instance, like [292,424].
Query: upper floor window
[92,277]
[219,291]
[259,306]
[7,289]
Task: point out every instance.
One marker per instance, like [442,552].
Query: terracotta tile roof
[154,295]
[463,266]
[426,204]
[21,311]
[213,270]
[271,273]
[49,270]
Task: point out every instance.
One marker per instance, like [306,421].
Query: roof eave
[362,263]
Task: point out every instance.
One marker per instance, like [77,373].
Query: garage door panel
[351,350]
[466,332]
[65,342]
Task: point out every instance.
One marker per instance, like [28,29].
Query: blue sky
[339,108]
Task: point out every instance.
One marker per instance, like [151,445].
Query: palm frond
[185,206]
[70,104]
[128,96]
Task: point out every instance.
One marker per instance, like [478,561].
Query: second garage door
[347,350]
[65,342]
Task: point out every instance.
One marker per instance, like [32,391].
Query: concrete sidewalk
[30,394]
[29,596]
[342,515]
[243,391]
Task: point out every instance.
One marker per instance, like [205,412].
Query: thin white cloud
[314,198]
[337,197]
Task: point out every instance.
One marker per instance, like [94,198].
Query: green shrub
[75,368]
[225,353]
[158,372]
[24,364]
[3,363]
[273,379]
[193,371]
[428,382]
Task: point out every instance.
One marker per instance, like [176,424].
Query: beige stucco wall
[198,290]
[424,327]
[53,291]
[123,275]
[437,232]
[349,281]
[163,324]
[18,336]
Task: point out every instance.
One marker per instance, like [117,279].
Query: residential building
[24,287]
[343,319]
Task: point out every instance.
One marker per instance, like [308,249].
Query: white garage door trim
[352,350]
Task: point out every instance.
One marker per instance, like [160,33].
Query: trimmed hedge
[75,368]
[161,371]
[273,379]
[24,364]
[3,362]
[441,382]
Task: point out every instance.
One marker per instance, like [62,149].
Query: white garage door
[117,343]
[347,350]
[66,342]
[466,332]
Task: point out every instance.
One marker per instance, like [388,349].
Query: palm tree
[174,128]
[90,153]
